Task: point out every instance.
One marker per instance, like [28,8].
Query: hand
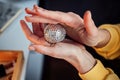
[68,50]
[81,30]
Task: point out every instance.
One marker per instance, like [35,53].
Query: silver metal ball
[54,33]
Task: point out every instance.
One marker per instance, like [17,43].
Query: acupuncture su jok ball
[54,33]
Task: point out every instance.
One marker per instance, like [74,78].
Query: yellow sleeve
[112,49]
[99,72]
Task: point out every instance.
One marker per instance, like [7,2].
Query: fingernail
[32,48]
[21,21]
[35,6]
[26,9]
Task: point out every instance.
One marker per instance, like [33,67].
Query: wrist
[82,60]
[103,38]
[86,62]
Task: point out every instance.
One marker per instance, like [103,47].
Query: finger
[38,19]
[29,11]
[30,36]
[37,29]
[47,50]
[89,24]
[42,49]
[69,19]
[25,28]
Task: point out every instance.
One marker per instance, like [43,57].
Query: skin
[73,52]
[81,31]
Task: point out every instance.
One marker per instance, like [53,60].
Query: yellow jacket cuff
[112,49]
[98,72]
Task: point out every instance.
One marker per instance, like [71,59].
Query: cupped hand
[68,50]
[80,29]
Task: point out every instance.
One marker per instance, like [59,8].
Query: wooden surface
[10,55]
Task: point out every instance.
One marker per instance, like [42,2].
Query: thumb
[89,24]
[40,49]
